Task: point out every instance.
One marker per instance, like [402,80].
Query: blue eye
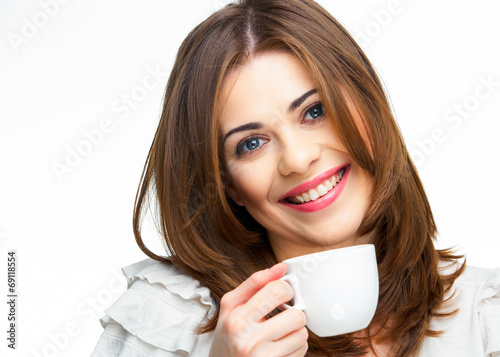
[248,145]
[314,113]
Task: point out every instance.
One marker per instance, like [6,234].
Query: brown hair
[217,242]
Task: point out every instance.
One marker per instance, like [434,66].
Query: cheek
[252,182]
[365,188]
[330,138]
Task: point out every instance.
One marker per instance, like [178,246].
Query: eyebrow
[244,127]
[297,102]
[254,125]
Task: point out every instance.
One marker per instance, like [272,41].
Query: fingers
[282,335]
[293,344]
[300,352]
[251,286]
[246,324]
[284,323]
[266,300]
[243,330]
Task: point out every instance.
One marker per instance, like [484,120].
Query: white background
[66,69]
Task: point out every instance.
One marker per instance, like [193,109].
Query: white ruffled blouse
[158,315]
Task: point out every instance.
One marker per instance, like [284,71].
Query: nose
[298,152]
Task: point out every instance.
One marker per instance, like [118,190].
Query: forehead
[264,85]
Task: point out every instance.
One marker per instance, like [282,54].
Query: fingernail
[277,267]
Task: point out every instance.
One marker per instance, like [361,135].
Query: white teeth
[321,190]
[328,185]
[313,194]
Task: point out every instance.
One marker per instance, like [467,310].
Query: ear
[231,192]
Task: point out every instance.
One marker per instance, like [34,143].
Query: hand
[243,330]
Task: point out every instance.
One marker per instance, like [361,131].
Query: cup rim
[333,251]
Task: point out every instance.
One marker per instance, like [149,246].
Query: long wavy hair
[217,242]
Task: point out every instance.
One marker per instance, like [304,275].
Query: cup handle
[298,300]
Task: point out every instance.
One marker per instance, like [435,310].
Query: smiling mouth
[322,189]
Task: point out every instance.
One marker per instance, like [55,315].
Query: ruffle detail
[171,278]
[475,328]
[162,307]
[489,313]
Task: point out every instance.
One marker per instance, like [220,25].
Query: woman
[269,106]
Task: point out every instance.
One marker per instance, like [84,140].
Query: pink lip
[323,201]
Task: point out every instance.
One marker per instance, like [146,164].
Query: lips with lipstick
[319,192]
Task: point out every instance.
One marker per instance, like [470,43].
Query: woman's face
[281,150]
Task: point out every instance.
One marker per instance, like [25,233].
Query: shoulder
[474,281]
[480,288]
[475,328]
[475,277]
[159,313]
[476,288]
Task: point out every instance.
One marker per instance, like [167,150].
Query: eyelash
[311,107]
[239,150]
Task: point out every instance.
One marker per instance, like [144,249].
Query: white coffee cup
[337,289]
